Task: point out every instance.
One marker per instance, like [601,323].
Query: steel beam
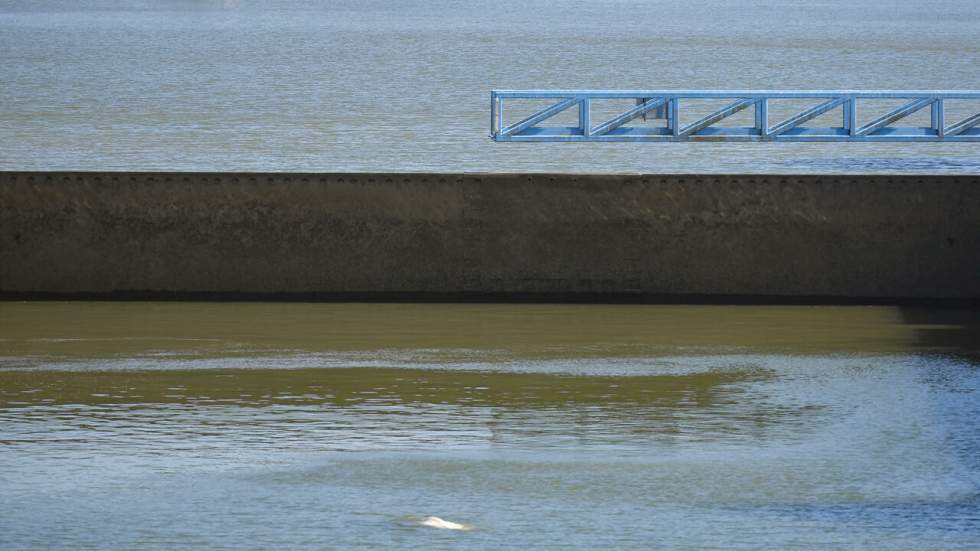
[708,128]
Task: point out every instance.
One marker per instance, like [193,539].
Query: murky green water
[149,425]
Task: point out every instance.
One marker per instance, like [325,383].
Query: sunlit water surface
[403,85]
[153,425]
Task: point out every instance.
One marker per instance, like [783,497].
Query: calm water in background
[146,425]
[287,85]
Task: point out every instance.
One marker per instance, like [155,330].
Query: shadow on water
[950,331]
[146,336]
[658,363]
[97,335]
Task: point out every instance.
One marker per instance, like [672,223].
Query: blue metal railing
[669,104]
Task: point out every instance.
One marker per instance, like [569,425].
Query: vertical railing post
[938,118]
[500,113]
[493,114]
[673,123]
[584,117]
[850,116]
[762,116]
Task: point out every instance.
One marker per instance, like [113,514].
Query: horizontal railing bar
[571,136]
[726,94]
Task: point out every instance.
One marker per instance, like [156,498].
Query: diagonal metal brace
[540,116]
[962,126]
[893,116]
[716,116]
[801,118]
[620,120]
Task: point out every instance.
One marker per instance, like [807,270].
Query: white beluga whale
[436,522]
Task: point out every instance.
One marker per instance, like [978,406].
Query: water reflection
[343,387]
[345,408]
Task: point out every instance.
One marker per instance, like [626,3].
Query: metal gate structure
[668,105]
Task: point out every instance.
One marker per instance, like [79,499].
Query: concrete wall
[504,236]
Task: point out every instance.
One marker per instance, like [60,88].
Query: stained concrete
[501,236]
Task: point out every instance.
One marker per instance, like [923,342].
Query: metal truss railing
[668,105]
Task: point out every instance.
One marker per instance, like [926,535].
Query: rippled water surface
[384,85]
[156,425]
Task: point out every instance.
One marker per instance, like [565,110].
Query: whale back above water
[436,522]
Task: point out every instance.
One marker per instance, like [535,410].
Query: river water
[156,425]
[382,85]
[168,425]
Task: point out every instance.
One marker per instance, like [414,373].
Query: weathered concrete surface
[645,237]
